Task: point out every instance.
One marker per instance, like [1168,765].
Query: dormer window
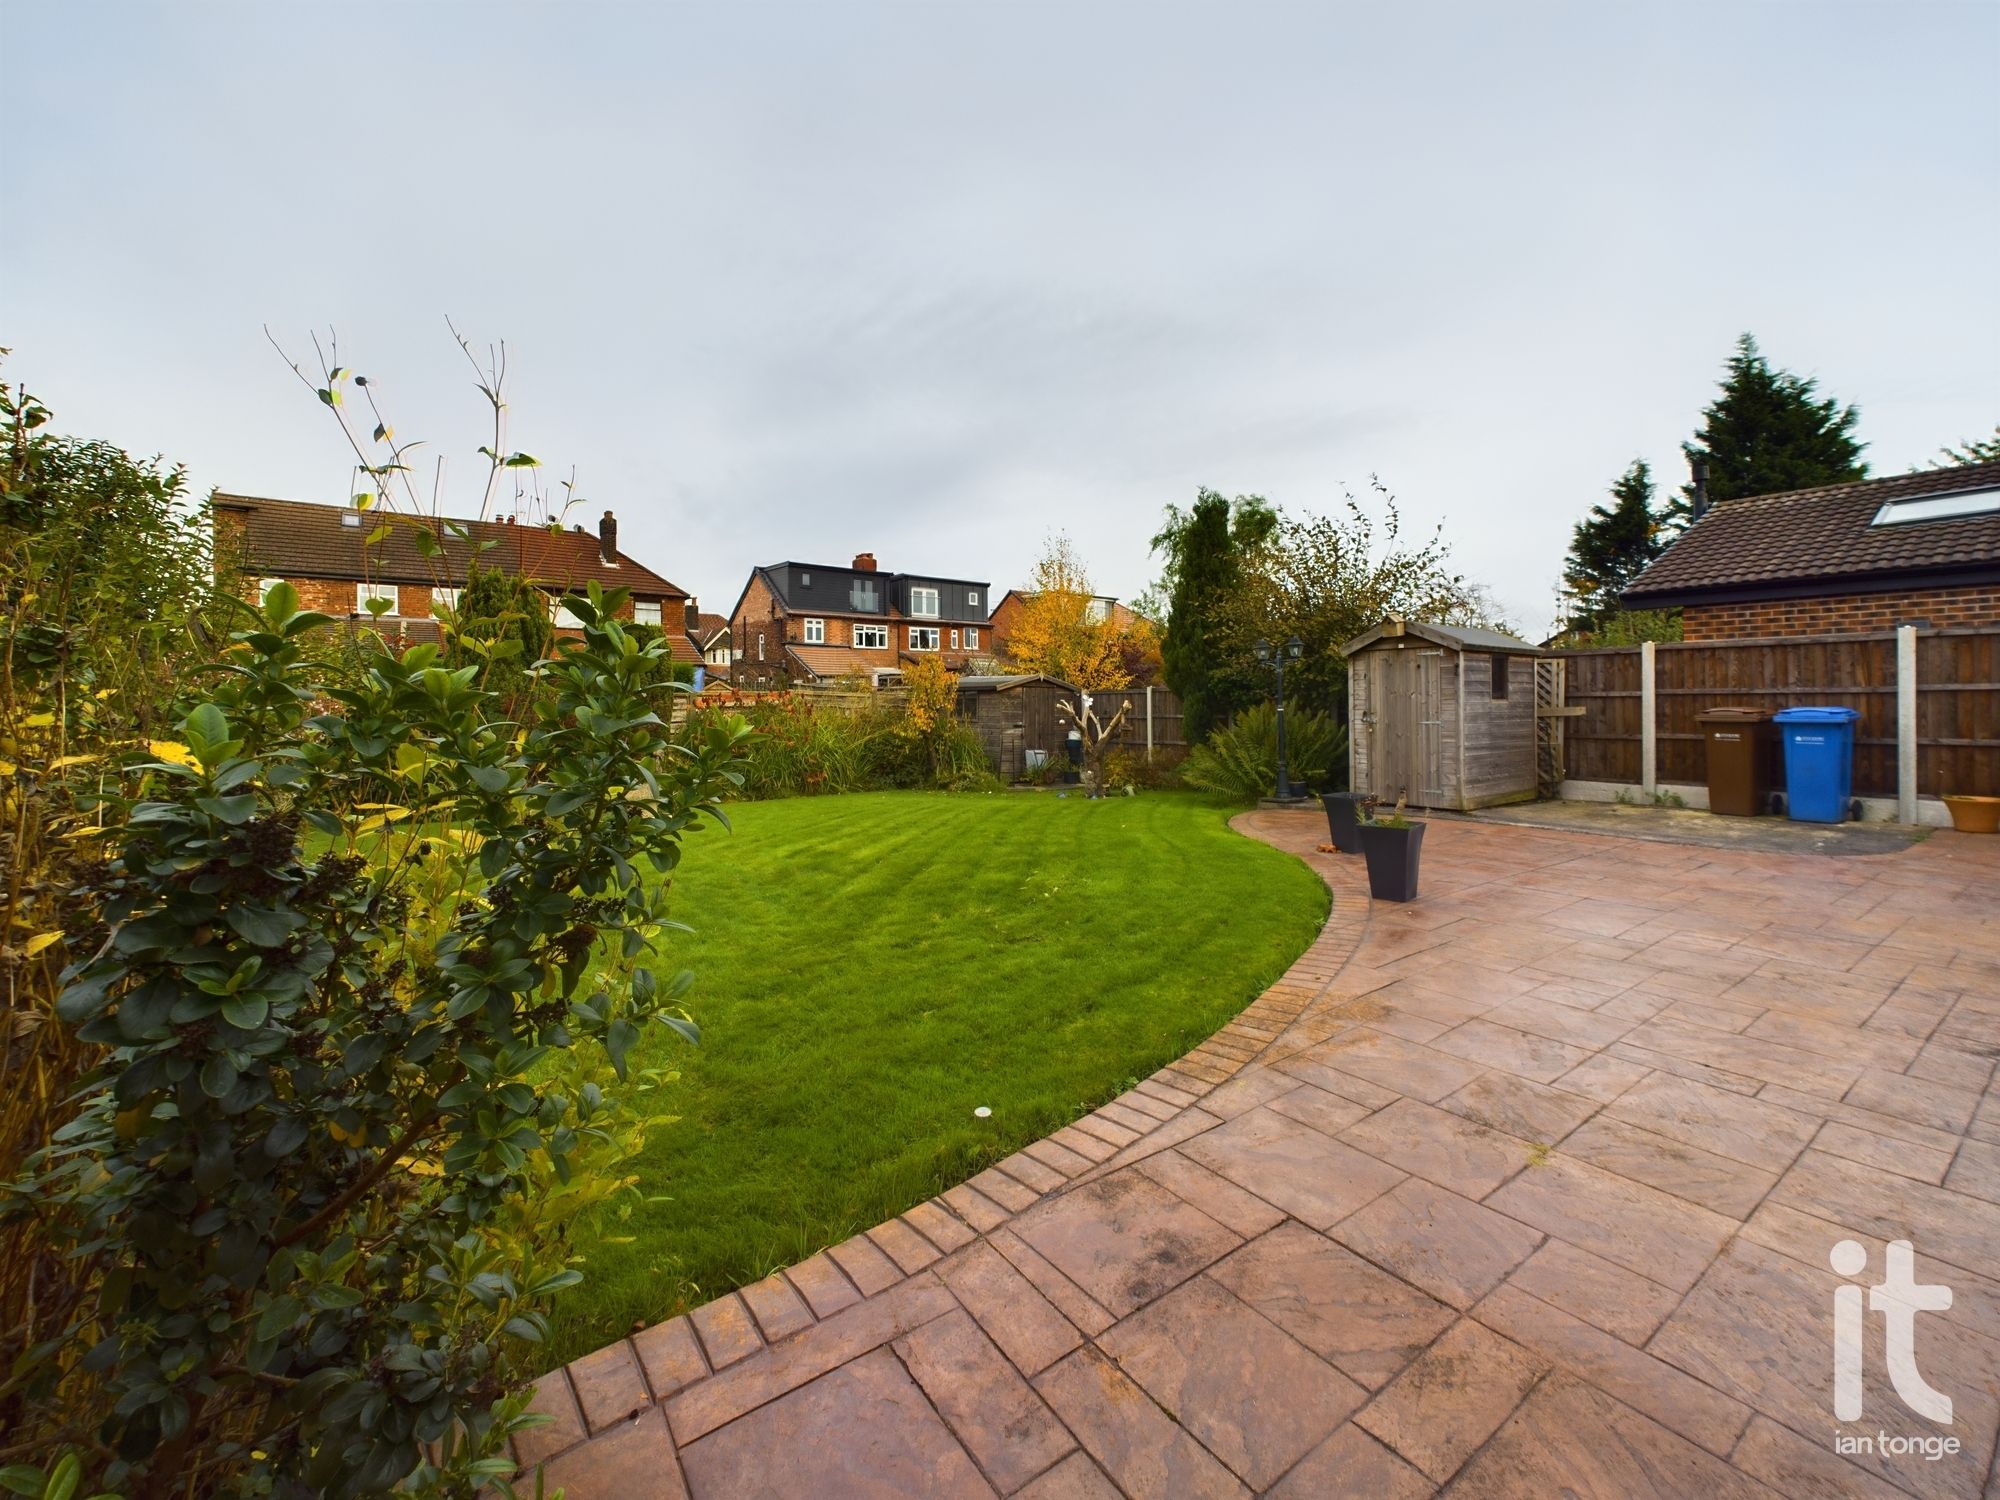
[863,597]
[924,603]
[972,598]
[805,580]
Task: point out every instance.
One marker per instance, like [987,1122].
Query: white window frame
[878,637]
[972,598]
[930,631]
[365,591]
[954,640]
[918,599]
[760,645]
[444,596]
[815,631]
[646,612]
[560,616]
[1937,507]
[971,638]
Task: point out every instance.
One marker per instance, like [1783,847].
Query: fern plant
[1241,761]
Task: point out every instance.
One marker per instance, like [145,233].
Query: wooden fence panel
[1602,744]
[1958,713]
[1958,704]
[1167,717]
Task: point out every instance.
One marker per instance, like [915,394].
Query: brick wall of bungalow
[761,630]
[1840,614]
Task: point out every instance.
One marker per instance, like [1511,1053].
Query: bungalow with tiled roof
[1911,549]
[339,559]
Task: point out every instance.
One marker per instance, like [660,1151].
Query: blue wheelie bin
[1819,762]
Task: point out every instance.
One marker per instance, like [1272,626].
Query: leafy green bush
[104,578]
[502,622]
[1241,761]
[801,748]
[341,1115]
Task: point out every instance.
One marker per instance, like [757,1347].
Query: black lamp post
[1292,650]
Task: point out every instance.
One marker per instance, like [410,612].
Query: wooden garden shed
[1443,715]
[1013,715]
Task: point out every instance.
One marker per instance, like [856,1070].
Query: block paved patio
[1525,1189]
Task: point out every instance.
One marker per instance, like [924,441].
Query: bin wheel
[1779,807]
[1854,809]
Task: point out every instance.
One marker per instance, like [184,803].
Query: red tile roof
[1823,535]
[298,539]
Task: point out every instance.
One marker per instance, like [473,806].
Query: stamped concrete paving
[1524,1189]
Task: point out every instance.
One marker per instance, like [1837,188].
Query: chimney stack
[864,562]
[693,616]
[1698,466]
[607,538]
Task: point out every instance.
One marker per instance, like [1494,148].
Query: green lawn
[870,968]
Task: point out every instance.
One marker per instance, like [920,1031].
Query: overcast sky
[933,281]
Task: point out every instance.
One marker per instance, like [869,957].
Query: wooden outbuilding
[1014,715]
[1442,715]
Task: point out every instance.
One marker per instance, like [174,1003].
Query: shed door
[1432,672]
[1410,693]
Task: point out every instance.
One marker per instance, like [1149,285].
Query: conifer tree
[1610,547]
[1972,451]
[1768,430]
[1205,567]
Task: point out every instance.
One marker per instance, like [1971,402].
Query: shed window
[1500,666]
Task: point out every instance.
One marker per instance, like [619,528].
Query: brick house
[1007,614]
[803,622]
[1911,549]
[1008,611]
[325,553]
[708,636]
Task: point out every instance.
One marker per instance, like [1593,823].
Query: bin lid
[1817,715]
[1734,715]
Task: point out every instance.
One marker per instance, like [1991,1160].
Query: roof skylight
[1938,507]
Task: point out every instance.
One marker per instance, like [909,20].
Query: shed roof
[995,684]
[1456,637]
[1803,540]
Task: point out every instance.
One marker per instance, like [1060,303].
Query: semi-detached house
[806,622]
[340,560]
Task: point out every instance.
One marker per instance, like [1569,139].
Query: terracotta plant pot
[1392,854]
[1974,814]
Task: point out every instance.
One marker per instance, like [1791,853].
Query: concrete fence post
[1149,721]
[1649,721]
[1906,723]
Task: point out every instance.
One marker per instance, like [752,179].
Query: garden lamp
[1292,650]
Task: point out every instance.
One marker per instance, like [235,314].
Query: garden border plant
[334,1125]
[354,977]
